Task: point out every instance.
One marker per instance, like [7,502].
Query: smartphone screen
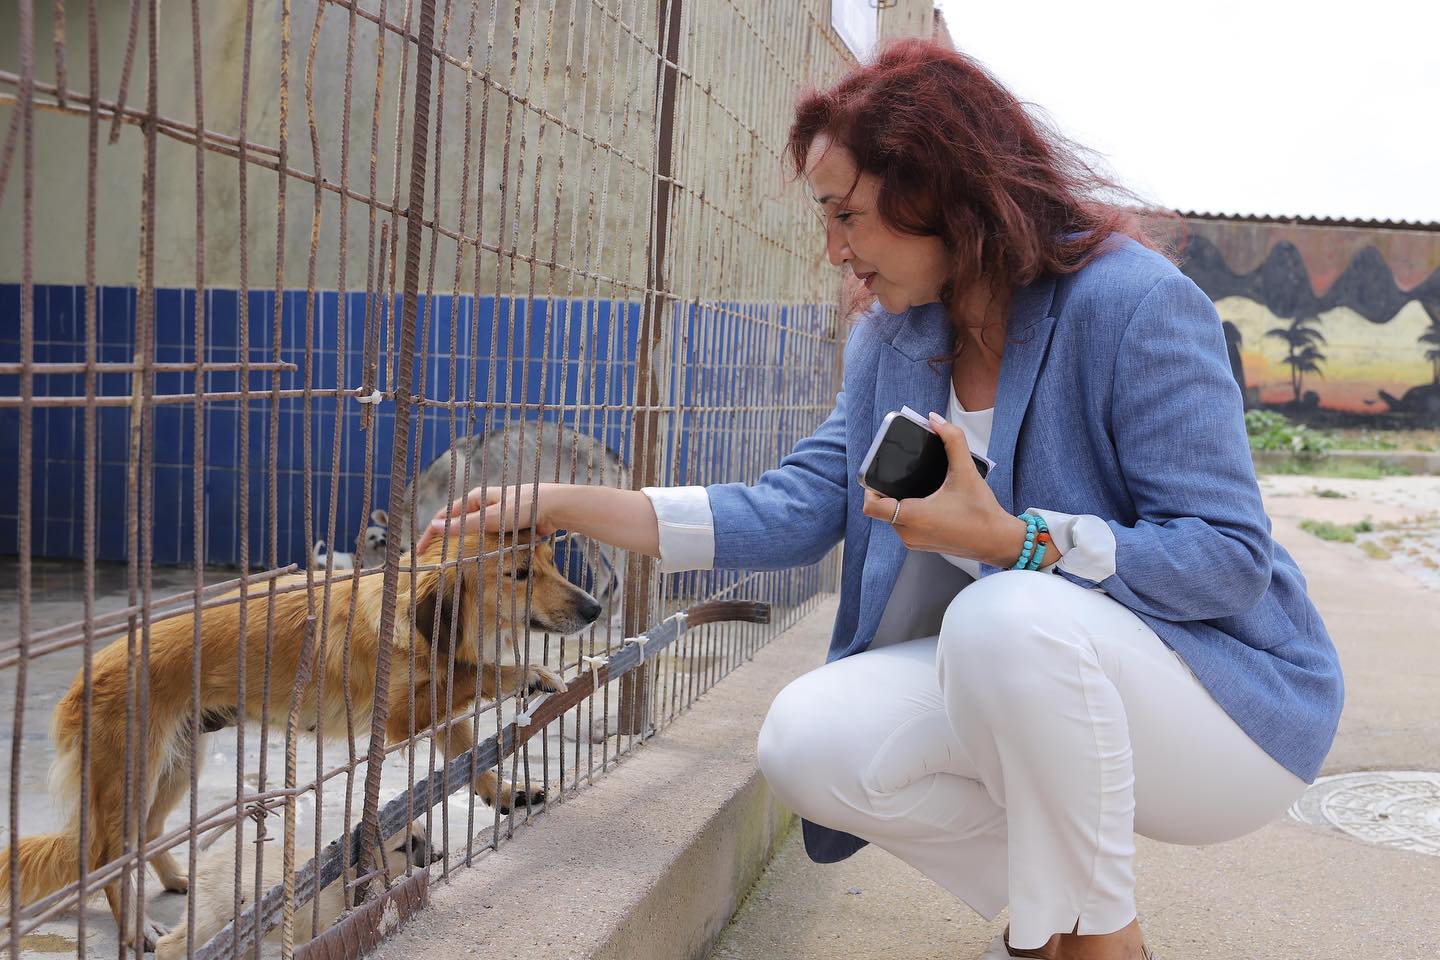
[909,462]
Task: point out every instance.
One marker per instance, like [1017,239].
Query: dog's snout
[589,609]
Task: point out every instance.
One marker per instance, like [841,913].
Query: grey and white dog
[508,456]
[371,555]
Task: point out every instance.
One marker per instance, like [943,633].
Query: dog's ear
[380,518]
[435,592]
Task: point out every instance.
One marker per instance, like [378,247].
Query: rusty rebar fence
[280,279]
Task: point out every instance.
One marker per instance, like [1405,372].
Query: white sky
[1266,106]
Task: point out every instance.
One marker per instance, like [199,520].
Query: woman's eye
[844,217]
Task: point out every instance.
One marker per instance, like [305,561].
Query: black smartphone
[907,459]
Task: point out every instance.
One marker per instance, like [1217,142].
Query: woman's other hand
[962,518]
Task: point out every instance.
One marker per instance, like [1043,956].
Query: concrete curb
[650,862]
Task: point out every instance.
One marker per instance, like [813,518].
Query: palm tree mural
[1303,356]
[1432,337]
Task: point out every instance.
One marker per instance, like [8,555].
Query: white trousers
[1012,758]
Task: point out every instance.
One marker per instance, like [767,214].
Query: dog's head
[493,590]
[377,538]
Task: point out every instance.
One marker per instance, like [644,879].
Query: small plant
[1269,430]
[1366,440]
[1329,494]
[1374,550]
[1338,532]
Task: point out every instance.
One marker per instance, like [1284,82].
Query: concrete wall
[581,88]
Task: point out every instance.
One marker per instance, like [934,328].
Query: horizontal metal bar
[118,366]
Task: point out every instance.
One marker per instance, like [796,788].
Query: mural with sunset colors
[1332,322]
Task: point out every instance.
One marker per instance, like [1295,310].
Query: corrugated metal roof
[1311,221]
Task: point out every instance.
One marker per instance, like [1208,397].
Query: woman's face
[901,269]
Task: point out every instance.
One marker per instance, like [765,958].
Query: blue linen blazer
[1115,399]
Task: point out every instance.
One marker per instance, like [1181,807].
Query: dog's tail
[48,862]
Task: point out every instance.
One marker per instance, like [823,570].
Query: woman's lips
[868,279]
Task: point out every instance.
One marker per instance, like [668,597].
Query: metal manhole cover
[1394,808]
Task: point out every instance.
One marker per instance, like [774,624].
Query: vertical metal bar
[198,469]
[312,645]
[143,472]
[419,144]
[26,112]
[92,316]
[57,23]
[277,317]
[645,449]
[243,315]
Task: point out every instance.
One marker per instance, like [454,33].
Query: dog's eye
[520,573]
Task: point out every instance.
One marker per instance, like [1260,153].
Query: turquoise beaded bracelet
[1032,554]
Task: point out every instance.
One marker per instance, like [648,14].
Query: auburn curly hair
[960,158]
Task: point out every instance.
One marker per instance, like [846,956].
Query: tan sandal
[1000,950]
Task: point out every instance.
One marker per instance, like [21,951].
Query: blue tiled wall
[58,433]
[717,359]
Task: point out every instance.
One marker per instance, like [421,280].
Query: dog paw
[520,797]
[543,679]
[510,796]
[151,934]
[178,884]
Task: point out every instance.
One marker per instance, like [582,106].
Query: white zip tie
[594,663]
[638,641]
[523,719]
[374,396]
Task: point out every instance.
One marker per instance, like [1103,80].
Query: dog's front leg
[448,700]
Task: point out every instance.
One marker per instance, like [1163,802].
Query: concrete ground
[1288,891]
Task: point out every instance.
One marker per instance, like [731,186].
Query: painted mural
[1333,323]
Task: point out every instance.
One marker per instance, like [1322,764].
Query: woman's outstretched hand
[477,511]
[962,518]
[621,518]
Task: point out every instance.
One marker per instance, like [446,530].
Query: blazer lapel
[1027,340]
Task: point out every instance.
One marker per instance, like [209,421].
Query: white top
[976,426]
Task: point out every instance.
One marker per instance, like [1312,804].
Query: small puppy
[459,611]
[377,537]
[215,888]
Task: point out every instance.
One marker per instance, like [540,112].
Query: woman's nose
[835,246]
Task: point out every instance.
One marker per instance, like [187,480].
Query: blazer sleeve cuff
[1086,543]
[687,527]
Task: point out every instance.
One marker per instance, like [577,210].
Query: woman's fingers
[478,510]
[957,446]
[879,506]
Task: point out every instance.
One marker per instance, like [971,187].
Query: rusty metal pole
[645,442]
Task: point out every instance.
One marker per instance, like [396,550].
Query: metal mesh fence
[279,280]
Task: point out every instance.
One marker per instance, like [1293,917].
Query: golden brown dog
[451,667]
